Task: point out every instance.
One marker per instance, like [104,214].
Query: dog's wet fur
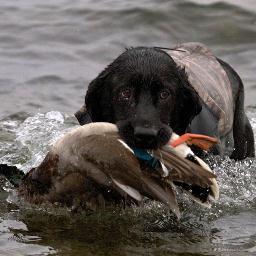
[148,96]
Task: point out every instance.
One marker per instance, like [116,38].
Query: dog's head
[146,94]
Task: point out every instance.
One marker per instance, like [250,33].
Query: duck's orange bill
[202,141]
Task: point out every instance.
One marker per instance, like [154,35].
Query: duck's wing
[197,179]
[159,191]
[183,170]
[162,192]
[116,160]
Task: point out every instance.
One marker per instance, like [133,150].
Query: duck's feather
[185,170]
[135,194]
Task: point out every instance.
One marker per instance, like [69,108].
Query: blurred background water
[49,52]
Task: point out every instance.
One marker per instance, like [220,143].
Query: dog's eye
[164,94]
[126,94]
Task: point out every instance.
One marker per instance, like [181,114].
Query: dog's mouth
[145,138]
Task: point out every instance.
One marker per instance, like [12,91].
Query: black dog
[149,93]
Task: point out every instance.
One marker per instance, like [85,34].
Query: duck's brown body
[92,167]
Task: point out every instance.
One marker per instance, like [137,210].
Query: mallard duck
[92,166]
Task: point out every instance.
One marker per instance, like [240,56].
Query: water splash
[29,141]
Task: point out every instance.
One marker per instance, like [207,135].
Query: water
[49,52]
[228,227]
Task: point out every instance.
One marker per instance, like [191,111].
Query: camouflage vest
[209,79]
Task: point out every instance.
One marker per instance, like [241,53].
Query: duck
[92,167]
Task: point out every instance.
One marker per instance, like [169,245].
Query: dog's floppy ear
[98,99]
[95,109]
[188,105]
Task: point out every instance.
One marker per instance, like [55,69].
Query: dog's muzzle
[144,136]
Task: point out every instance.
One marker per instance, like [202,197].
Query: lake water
[49,52]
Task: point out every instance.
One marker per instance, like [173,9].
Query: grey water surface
[49,52]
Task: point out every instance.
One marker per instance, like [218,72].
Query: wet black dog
[148,96]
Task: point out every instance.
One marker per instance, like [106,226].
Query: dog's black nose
[145,137]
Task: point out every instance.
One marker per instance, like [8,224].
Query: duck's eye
[164,94]
[125,94]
